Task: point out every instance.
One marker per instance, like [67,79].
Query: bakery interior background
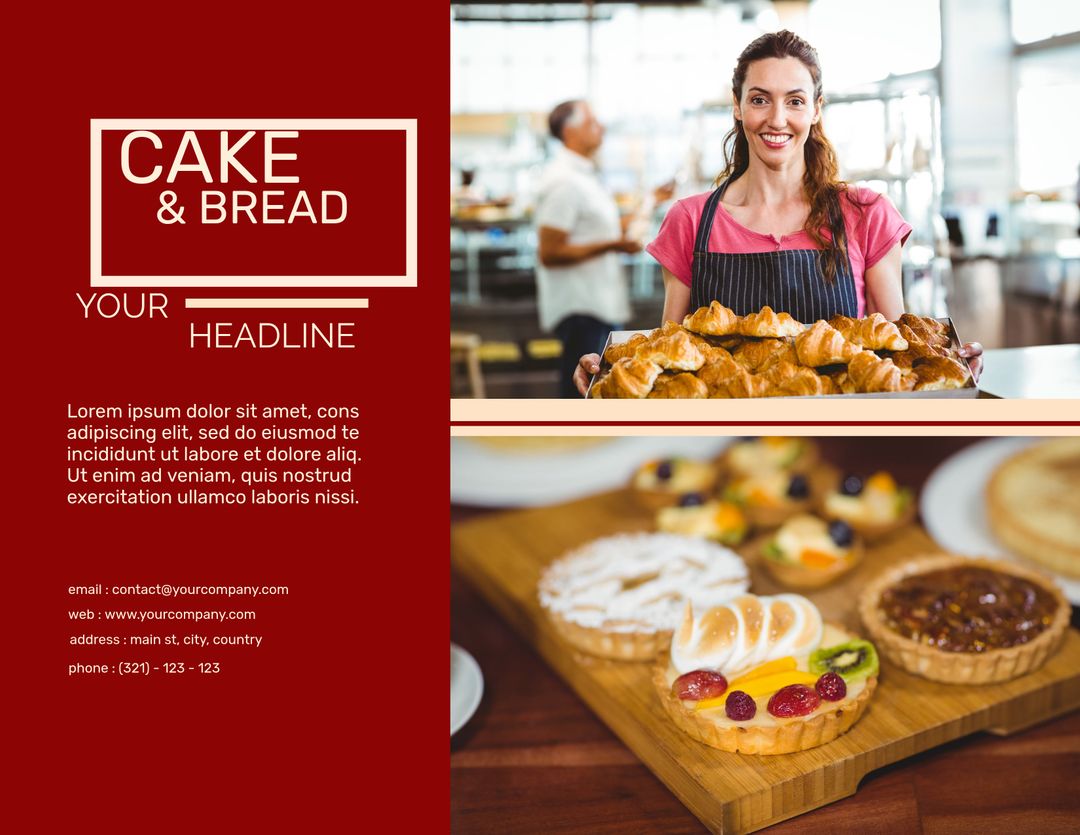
[959,110]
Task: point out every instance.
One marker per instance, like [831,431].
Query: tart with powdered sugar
[621,596]
[764,675]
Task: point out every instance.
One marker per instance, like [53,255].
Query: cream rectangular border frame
[406,280]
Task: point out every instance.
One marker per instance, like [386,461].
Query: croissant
[715,320]
[869,373]
[624,349]
[745,633]
[628,378]
[796,381]
[930,331]
[675,352]
[939,373]
[683,385]
[758,354]
[823,345]
[740,386]
[917,352]
[767,322]
[841,381]
[726,378]
[874,332]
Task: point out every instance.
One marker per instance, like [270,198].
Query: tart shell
[960,667]
[787,737]
[607,643]
[803,577]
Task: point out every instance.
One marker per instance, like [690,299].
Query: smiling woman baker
[781,229]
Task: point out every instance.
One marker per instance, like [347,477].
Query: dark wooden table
[534,758]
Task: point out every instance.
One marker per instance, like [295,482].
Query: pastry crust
[782,736]
[1033,507]
[714,320]
[960,667]
[823,344]
[767,322]
[619,646]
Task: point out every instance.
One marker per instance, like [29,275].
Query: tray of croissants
[716,353]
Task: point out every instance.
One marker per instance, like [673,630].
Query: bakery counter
[535,758]
[1048,371]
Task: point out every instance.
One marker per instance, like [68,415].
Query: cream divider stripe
[275,303]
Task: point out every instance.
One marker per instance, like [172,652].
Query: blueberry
[691,500]
[798,488]
[664,470]
[851,485]
[840,533]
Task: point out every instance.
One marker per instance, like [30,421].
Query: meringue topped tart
[764,675]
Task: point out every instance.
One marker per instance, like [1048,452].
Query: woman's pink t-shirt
[872,230]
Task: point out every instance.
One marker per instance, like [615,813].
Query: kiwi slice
[853,660]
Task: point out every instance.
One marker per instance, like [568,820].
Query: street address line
[275,303]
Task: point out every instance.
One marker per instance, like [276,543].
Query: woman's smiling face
[777,109]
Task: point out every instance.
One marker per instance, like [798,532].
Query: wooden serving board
[503,556]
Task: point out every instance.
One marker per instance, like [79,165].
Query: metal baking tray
[970,390]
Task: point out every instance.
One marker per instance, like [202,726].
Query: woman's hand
[972,352]
[587,366]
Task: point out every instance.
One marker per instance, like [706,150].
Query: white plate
[953,504]
[466,687]
[490,477]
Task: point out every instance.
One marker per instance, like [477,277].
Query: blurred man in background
[581,285]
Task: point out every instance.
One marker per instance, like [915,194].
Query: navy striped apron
[786,280]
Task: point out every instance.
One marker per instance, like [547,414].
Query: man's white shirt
[571,198]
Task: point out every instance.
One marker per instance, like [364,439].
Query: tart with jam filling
[964,621]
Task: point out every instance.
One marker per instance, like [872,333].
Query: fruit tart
[621,596]
[660,483]
[770,498]
[874,506]
[764,675]
[695,515]
[964,621]
[749,456]
[807,552]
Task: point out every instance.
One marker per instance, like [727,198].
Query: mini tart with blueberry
[765,675]
[807,552]
[694,515]
[770,498]
[963,620]
[749,456]
[660,483]
[874,506]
